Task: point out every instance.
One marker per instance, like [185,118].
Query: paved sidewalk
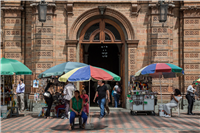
[121,122]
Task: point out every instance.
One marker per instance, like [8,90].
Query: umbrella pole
[160,88]
[3,91]
[89,101]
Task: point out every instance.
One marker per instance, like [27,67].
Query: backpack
[119,90]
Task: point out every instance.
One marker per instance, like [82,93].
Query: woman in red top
[85,98]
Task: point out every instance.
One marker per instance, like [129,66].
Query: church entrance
[101,45]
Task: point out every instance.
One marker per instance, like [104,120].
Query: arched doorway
[102,44]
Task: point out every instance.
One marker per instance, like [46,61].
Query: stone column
[132,47]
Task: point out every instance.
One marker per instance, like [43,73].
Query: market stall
[10,67]
[7,88]
[159,70]
[141,97]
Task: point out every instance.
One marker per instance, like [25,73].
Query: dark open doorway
[104,56]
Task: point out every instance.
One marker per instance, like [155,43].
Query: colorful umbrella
[60,69]
[165,69]
[87,73]
[10,67]
[198,80]
[158,70]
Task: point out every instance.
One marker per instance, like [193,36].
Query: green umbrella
[60,69]
[10,67]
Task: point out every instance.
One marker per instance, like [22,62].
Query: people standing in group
[85,98]
[48,96]
[107,101]
[175,98]
[190,97]
[116,93]
[20,95]
[76,109]
[68,94]
[102,90]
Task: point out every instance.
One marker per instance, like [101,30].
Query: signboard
[35,83]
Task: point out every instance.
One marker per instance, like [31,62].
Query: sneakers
[164,115]
[167,116]
[100,117]
[62,117]
[65,118]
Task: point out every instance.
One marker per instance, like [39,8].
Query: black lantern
[42,11]
[163,12]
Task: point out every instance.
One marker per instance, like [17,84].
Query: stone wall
[43,45]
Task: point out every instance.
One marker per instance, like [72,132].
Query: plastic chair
[177,108]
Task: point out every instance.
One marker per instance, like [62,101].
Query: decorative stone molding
[95,12]
[71,50]
[69,9]
[50,7]
[190,8]
[132,43]
[155,9]
[132,47]
[12,8]
[135,8]
[49,4]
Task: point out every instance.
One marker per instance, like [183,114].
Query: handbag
[47,94]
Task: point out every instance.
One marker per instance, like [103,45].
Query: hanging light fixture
[42,11]
[163,11]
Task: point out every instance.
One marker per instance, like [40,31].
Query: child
[85,98]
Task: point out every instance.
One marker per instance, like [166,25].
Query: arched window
[90,30]
[101,32]
[114,31]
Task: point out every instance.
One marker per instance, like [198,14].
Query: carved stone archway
[123,26]
[95,12]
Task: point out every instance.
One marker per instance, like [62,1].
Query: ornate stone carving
[102,9]
[135,8]
[44,65]
[71,52]
[69,9]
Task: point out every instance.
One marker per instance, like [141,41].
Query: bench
[177,108]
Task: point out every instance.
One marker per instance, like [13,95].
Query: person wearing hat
[190,97]
[20,95]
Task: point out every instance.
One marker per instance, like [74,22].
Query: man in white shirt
[20,95]
[68,94]
[190,97]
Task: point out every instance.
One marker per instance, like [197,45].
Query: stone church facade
[74,29]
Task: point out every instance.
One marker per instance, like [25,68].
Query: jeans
[116,97]
[190,103]
[49,101]
[102,103]
[73,115]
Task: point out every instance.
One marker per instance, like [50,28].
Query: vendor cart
[142,103]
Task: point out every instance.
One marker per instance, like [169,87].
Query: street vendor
[20,95]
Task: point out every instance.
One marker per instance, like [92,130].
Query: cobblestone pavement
[121,122]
